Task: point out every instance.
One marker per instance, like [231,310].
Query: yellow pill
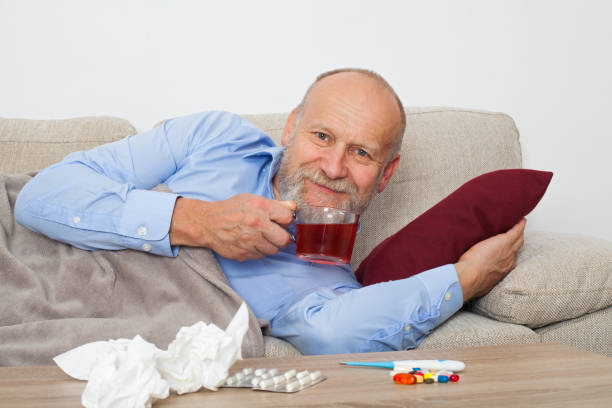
[419,379]
[427,375]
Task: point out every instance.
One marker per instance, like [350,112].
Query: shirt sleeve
[102,198]
[394,315]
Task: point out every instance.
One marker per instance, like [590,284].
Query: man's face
[337,149]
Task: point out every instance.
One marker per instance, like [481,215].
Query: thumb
[519,227]
[292,205]
[282,216]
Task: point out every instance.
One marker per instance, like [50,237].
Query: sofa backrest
[31,145]
[442,149]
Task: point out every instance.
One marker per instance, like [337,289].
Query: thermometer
[451,365]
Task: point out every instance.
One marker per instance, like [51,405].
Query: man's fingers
[266,248]
[277,235]
[518,229]
[517,234]
[281,212]
[292,205]
[518,244]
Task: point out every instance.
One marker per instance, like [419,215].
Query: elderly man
[233,191]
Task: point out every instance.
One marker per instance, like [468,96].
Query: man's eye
[322,136]
[361,153]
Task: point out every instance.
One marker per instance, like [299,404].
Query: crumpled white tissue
[125,377]
[202,354]
[134,373]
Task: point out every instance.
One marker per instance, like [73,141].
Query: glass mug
[325,234]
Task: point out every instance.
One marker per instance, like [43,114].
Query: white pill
[302,374]
[279,379]
[273,371]
[266,383]
[230,381]
[239,376]
[305,380]
[293,386]
[265,376]
[247,371]
[260,371]
[255,381]
[315,375]
[289,373]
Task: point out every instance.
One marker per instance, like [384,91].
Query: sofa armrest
[557,277]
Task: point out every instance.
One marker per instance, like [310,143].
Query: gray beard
[291,187]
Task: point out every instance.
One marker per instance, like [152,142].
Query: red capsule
[404,378]
[454,378]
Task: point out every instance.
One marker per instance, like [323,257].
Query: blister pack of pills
[262,379]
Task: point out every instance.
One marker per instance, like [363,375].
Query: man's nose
[333,163]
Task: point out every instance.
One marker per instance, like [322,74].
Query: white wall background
[547,63]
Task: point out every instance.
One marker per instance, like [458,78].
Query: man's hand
[243,227]
[489,261]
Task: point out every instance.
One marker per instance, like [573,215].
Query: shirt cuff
[443,287]
[145,222]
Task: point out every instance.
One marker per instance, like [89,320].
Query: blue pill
[442,379]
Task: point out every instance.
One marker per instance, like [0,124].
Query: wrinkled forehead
[355,103]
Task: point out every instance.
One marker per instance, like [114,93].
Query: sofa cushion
[31,145]
[442,149]
[275,347]
[484,206]
[557,277]
[467,329]
[592,332]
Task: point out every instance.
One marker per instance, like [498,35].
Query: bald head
[356,77]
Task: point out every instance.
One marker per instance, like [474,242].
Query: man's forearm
[183,227]
[466,280]
[72,203]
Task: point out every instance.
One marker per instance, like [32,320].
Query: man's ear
[289,127]
[387,173]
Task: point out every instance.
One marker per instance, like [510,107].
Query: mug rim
[326,206]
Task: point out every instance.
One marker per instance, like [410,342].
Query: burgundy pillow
[484,206]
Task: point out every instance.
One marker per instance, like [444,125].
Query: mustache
[343,185]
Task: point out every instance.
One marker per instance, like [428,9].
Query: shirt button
[76,220]
[142,231]
[146,247]
[447,296]
[408,327]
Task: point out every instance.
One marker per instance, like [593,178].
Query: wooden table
[548,375]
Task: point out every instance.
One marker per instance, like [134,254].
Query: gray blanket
[54,297]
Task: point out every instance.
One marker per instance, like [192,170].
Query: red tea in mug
[325,243]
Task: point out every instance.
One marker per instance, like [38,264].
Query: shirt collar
[275,154]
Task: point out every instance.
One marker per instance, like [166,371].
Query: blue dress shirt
[102,199]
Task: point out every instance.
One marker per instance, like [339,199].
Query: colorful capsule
[404,378]
[454,378]
[428,380]
[442,379]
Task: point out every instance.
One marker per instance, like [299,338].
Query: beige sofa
[560,291]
